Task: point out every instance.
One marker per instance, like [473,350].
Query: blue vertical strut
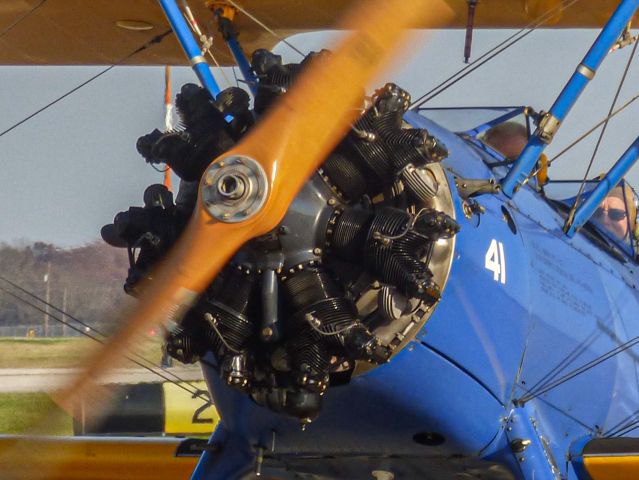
[242,63]
[229,34]
[190,46]
[610,181]
[568,96]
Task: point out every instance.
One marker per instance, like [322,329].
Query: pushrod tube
[190,46]
[583,74]
[610,181]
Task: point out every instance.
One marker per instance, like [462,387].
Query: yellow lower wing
[611,459]
[94,458]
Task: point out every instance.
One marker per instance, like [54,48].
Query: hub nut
[234,189]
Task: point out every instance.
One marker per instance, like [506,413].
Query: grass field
[63,352]
[19,411]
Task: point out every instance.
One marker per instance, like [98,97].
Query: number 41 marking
[495,261]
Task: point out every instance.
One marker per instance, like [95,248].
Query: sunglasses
[614,214]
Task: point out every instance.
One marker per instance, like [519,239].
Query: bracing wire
[154,40]
[622,425]
[573,209]
[492,53]
[134,357]
[593,129]
[565,362]
[265,27]
[560,410]
[584,368]
[19,20]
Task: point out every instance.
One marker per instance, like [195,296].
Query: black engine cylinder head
[349,232]
[346,175]
[392,98]
[313,292]
[276,79]
[311,285]
[378,148]
[205,134]
[184,347]
[189,341]
[230,312]
[152,229]
[263,60]
[393,250]
[310,360]
[235,102]
[389,246]
[323,322]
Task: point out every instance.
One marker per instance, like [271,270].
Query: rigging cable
[497,49]
[135,358]
[20,19]
[583,137]
[560,410]
[571,214]
[265,27]
[632,426]
[622,425]
[595,127]
[154,40]
[67,314]
[566,361]
[578,371]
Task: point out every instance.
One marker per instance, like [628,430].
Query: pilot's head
[614,211]
[508,138]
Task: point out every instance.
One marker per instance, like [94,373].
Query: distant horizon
[25,242]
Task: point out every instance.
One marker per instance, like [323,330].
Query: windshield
[616,216]
[469,119]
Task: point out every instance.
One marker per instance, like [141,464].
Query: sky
[70,169]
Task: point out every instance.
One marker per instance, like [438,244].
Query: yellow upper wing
[81,32]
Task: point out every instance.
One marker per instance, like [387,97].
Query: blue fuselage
[524,305]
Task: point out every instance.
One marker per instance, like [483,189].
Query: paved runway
[48,379]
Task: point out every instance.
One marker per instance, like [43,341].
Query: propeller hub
[234,189]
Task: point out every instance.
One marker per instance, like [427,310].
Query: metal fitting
[197,59]
[234,189]
[548,127]
[587,72]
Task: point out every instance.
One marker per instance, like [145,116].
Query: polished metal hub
[234,189]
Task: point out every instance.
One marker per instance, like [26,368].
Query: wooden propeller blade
[290,144]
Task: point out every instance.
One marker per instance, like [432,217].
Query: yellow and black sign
[186,412]
[152,408]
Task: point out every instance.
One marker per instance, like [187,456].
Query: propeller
[283,150]
[289,145]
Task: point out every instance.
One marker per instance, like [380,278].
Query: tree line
[86,280]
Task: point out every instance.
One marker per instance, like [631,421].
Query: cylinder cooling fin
[347,279]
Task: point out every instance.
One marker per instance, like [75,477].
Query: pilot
[618,211]
[508,138]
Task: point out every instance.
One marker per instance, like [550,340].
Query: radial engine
[348,277]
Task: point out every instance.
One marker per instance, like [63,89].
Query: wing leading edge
[76,32]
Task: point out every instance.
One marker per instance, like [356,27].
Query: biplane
[373,289]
